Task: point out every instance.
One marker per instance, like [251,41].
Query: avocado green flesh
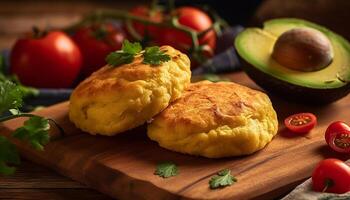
[255,45]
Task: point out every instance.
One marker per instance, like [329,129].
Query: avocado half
[255,46]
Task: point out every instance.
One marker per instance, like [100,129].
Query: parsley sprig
[35,130]
[8,155]
[125,55]
[154,56]
[166,169]
[151,55]
[222,179]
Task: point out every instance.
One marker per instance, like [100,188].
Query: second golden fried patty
[216,120]
[115,99]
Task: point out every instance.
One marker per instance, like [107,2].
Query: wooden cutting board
[123,166]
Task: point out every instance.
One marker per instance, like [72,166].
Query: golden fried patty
[216,120]
[115,99]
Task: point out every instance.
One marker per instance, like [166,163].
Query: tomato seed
[300,120]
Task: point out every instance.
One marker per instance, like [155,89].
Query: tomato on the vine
[194,19]
[338,137]
[152,32]
[301,122]
[331,175]
[46,60]
[96,41]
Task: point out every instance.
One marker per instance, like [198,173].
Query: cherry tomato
[50,61]
[194,19]
[338,137]
[331,175]
[147,30]
[96,41]
[301,122]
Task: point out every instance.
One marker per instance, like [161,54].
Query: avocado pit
[303,49]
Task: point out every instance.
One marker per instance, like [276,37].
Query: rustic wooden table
[32,181]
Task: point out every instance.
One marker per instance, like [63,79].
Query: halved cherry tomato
[338,137]
[331,175]
[301,122]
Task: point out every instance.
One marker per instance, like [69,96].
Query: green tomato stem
[61,130]
[328,183]
[172,23]
[2,119]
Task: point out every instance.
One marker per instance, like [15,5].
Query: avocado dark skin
[299,94]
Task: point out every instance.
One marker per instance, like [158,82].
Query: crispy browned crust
[116,99]
[206,105]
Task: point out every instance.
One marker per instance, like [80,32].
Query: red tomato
[52,61]
[301,122]
[95,43]
[338,137]
[192,18]
[331,175]
[149,30]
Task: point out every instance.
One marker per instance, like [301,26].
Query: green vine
[196,50]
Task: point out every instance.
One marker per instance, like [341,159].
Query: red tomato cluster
[189,17]
[330,175]
[54,60]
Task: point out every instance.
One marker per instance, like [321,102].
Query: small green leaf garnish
[10,96]
[36,131]
[131,48]
[151,55]
[125,55]
[222,179]
[8,155]
[166,169]
[14,111]
[154,56]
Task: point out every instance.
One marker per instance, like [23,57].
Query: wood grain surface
[123,166]
[33,182]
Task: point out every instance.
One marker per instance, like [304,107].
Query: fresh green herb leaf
[118,58]
[166,169]
[8,155]
[27,91]
[222,179]
[214,78]
[15,111]
[10,96]
[131,48]
[125,55]
[154,56]
[36,131]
